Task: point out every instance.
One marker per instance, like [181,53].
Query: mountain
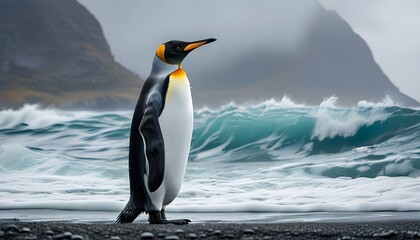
[328,59]
[55,53]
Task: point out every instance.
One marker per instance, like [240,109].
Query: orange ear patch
[161,52]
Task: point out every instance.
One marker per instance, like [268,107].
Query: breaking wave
[277,156]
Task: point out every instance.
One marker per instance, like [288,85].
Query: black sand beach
[409,229]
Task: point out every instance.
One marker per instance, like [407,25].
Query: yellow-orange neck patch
[177,80]
[179,74]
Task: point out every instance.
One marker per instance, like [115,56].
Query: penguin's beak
[193,45]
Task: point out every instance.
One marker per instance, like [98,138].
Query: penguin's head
[173,52]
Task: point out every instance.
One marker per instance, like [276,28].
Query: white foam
[387,101]
[69,204]
[285,103]
[300,194]
[399,168]
[330,102]
[288,103]
[36,117]
[345,123]
[212,152]
[292,195]
[235,194]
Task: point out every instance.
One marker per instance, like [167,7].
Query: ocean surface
[274,161]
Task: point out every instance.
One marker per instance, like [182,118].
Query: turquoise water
[272,158]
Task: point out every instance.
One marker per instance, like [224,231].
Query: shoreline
[398,229]
[109,217]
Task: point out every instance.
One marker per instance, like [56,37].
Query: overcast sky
[390,28]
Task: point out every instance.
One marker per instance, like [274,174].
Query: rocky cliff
[55,53]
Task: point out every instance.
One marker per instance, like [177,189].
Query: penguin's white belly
[176,123]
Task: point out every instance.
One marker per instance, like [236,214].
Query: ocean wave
[331,122]
[18,159]
[266,128]
[260,132]
[32,116]
[276,156]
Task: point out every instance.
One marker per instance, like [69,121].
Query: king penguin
[160,136]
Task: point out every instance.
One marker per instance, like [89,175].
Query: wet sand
[408,229]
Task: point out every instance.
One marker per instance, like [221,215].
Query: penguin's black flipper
[153,138]
[129,213]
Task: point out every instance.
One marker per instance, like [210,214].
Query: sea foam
[276,156]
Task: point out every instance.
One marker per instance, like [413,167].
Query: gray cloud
[135,28]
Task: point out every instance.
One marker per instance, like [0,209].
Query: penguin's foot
[159,217]
[163,214]
[177,221]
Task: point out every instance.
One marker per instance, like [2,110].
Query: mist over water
[277,156]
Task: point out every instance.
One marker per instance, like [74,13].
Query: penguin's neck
[161,68]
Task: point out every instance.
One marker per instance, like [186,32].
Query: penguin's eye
[177,48]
